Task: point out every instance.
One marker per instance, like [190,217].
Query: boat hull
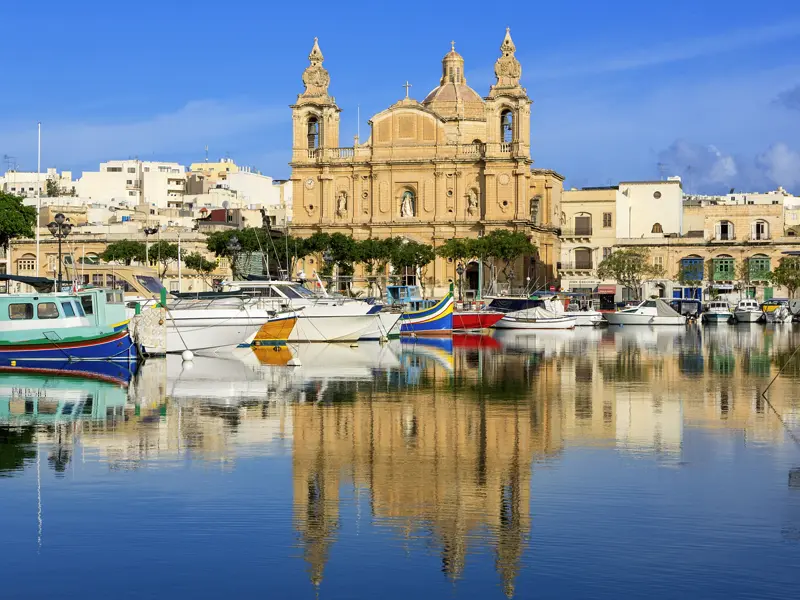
[475,319]
[431,321]
[275,332]
[717,317]
[512,322]
[115,346]
[334,328]
[587,319]
[385,325]
[634,319]
[748,316]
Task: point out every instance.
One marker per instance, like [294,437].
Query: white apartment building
[159,184]
[649,209]
[25,184]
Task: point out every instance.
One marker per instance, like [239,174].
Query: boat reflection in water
[456,455]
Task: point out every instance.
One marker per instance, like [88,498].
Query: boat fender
[187,355]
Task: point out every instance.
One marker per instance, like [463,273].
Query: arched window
[759,230]
[724,268]
[583,258]
[583,224]
[313,133]
[657,228]
[724,230]
[692,268]
[506,126]
[759,267]
[535,209]
[90,259]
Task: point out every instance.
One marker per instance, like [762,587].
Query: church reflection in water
[442,436]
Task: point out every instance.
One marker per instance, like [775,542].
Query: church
[456,165]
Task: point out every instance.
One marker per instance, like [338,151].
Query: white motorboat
[585,317]
[747,311]
[776,311]
[536,318]
[212,324]
[321,319]
[718,311]
[649,312]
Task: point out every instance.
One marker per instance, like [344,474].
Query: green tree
[163,254]
[459,250]
[51,188]
[412,256]
[787,274]
[506,246]
[199,263]
[16,219]
[124,251]
[375,255]
[630,267]
[250,241]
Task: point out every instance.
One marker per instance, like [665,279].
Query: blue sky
[710,90]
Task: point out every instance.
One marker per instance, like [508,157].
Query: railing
[331,153]
[576,231]
[578,265]
[472,149]
[506,146]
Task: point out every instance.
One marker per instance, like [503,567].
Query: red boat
[475,319]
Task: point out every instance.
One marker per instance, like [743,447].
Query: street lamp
[234,247]
[60,227]
[460,272]
[148,231]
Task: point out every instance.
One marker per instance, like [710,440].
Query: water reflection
[441,437]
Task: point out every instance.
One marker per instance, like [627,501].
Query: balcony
[475,150]
[578,265]
[576,232]
[331,153]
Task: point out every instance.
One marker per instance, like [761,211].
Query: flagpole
[38,193]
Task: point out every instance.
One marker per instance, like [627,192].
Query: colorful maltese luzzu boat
[434,319]
[40,331]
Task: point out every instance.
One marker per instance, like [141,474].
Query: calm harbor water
[616,463]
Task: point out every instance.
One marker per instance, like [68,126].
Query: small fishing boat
[776,311]
[536,318]
[718,311]
[38,331]
[748,311]
[649,312]
[421,316]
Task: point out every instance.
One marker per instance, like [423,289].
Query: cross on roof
[453,46]
[407,85]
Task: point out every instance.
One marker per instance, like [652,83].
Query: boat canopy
[663,309]
[43,285]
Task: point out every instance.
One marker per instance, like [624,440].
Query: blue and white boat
[421,316]
[41,331]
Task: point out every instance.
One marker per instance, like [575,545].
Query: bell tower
[508,106]
[315,116]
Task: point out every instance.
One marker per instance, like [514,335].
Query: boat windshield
[150,283]
[294,291]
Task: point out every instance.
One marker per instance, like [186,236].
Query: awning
[606,289]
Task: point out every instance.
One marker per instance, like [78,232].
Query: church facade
[456,165]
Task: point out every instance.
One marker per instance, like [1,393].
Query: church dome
[454,98]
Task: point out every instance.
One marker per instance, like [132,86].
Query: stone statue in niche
[472,203]
[407,205]
[341,204]
[535,209]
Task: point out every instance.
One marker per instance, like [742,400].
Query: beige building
[454,165]
[588,235]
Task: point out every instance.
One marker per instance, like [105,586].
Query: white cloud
[781,164]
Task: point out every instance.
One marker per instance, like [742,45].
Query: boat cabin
[718,306]
[748,304]
[23,312]
[509,304]
[266,289]
[407,296]
[688,307]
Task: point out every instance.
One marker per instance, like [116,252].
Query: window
[27,262]
[506,127]
[90,259]
[150,283]
[724,230]
[759,268]
[656,195]
[97,279]
[131,170]
[759,230]
[724,268]
[657,228]
[607,219]
[18,312]
[583,225]
[131,193]
[113,169]
[67,308]
[313,133]
[88,307]
[129,182]
[607,252]
[658,261]
[583,258]
[776,202]
[47,310]
[79,309]
[691,269]
[173,286]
